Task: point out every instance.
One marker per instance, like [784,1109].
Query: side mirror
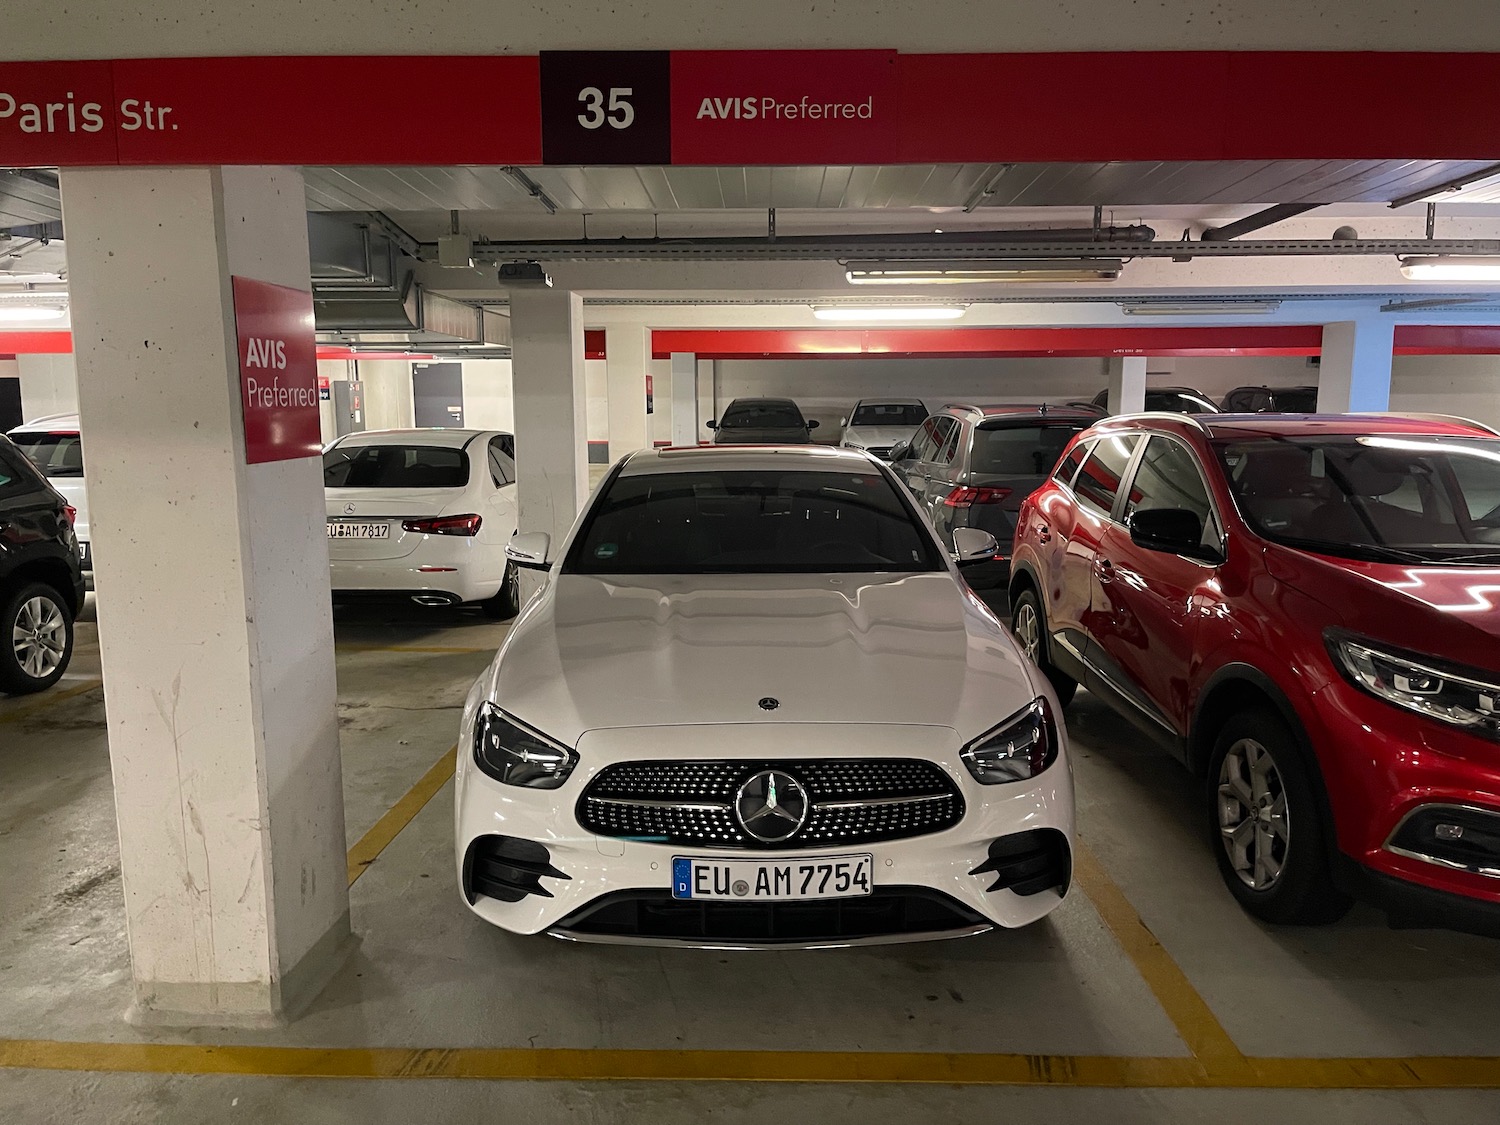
[1173,531]
[711,424]
[813,425]
[529,550]
[900,450]
[843,421]
[971,545]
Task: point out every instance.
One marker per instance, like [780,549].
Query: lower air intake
[507,868]
[1029,862]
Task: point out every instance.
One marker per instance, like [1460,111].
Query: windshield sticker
[606,551]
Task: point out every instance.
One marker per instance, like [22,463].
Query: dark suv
[1173,400]
[762,421]
[41,583]
[971,466]
[1271,400]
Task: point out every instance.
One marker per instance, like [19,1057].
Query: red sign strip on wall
[750,107]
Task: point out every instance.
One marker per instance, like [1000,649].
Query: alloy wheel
[1028,632]
[1254,822]
[39,636]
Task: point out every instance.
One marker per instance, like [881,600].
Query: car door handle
[1044,534]
[1105,570]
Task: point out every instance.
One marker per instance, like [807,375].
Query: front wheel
[36,639]
[507,601]
[1273,840]
[1029,625]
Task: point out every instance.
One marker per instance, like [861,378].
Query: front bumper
[938,867]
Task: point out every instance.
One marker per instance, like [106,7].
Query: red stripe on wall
[36,343]
[1447,339]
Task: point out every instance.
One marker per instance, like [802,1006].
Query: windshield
[1404,498]
[889,414]
[395,466]
[761,416]
[56,455]
[741,522]
[1020,451]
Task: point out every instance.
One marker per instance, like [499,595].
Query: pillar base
[246,1004]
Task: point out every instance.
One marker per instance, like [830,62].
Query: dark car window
[943,428]
[1099,480]
[1067,467]
[17,475]
[1247,400]
[925,442]
[950,447]
[744,522]
[761,416]
[502,464]
[56,455]
[395,466]
[1167,477]
[1414,498]
[1297,402]
[889,414]
[1020,451]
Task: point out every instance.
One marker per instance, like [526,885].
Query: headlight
[1017,750]
[1465,698]
[510,753]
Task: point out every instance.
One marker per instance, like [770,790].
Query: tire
[507,601]
[1277,864]
[1028,623]
[36,639]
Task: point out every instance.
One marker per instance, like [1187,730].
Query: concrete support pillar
[1127,384]
[1355,372]
[552,478]
[708,396]
[49,385]
[627,359]
[684,398]
[218,668]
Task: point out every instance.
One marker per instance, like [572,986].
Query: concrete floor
[1162,1025]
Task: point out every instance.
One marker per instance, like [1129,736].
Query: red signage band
[750,107]
[278,371]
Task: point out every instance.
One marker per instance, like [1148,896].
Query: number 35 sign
[606,107]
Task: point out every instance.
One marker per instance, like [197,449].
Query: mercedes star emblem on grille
[772,806]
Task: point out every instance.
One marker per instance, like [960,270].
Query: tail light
[70,513]
[965,496]
[445,525]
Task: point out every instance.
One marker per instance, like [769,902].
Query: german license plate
[836,876]
[85,557]
[358,529]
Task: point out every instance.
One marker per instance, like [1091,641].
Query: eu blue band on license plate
[682,877]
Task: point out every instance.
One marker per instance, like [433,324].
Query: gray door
[438,394]
[10,404]
[348,406]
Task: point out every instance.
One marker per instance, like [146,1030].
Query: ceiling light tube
[1199,308]
[888,312]
[982,271]
[15,313]
[1450,268]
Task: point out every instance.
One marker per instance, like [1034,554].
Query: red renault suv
[1306,610]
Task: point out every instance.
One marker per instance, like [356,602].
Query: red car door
[1148,604]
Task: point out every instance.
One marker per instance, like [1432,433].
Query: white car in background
[422,516]
[878,425]
[754,704]
[54,445]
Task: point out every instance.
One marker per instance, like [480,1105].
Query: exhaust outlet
[434,599]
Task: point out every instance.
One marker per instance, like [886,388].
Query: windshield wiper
[1471,557]
[1377,551]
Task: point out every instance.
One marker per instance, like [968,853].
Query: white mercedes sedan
[754,704]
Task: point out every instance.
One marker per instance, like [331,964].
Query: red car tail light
[445,525]
[70,513]
[965,496]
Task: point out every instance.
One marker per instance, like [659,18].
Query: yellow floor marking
[832,1067]
[46,699]
[1190,1014]
[414,648]
[389,826]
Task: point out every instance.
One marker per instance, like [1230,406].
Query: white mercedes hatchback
[754,704]
[424,516]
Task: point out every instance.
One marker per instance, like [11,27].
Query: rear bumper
[402,579]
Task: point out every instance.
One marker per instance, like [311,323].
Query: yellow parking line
[830,1067]
[389,826]
[1190,1014]
[46,699]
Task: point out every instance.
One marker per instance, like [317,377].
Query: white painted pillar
[214,620]
[684,398]
[708,397]
[1355,371]
[1127,384]
[552,478]
[49,385]
[627,360]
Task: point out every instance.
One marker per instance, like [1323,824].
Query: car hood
[1452,612]
[879,435]
[598,652]
[770,435]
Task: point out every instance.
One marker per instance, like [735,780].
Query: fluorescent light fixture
[981,271]
[1450,268]
[888,312]
[1198,308]
[11,314]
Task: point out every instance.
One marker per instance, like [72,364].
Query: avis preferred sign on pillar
[278,371]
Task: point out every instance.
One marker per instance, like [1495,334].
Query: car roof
[988,411]
[1296,425]
[50,424]
[890,402]
[760,400]
[443,437]
[748,458]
